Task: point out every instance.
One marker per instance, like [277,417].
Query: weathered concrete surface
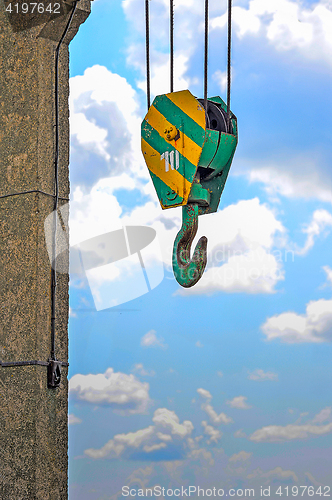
[33,418]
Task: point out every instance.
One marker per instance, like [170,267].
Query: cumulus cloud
[241,456]
[240,434]
[122,280]
[328,272]
[290,432]
[216,419]
[239,402]
[260,375]
[299,178]
[124,393]
[321,223]
[204,393]
[314,326]
[241,255]
[139,368]
[105,126]
[72,419]
[286,24]
[166,431]
[322,416]
[277,474]
[214,434]
[150,339]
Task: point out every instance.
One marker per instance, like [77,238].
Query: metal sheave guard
[188,151]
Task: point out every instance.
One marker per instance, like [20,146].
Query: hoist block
[188,151]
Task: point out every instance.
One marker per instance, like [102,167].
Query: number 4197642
[30,8]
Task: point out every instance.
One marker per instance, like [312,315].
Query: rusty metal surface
[188,271]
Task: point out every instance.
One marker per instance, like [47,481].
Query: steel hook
[188,271]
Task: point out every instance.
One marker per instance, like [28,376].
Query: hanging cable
[147,47]
[54,371]
[56,181]
[172,44]
[229,35]
[33,191]
[206,53]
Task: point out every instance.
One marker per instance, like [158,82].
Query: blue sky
[227,384]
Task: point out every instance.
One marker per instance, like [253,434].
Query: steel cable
[147,47]
[229,36]
[172,44]
[206,53]
[56,181]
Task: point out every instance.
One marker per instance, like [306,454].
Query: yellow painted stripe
[184,101]
[186,146]
[172,178]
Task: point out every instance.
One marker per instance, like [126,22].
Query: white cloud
[322,416]
[139,368]
[160,75]
[150,339]
[199,344]
[239,402]
[241,456]
[204,393]
[124,393]
[259,375]
[166,429]
[299,178]
[221,78]
[286,24]
[168,420]
[313,326]
[239,434]
[213,433]
[105,126]
[244,21]
[72,419]
[154,447]
[240,250]
[216,419]
[321,222]
[277,474]
[328,271]
[275,433]
[222,418]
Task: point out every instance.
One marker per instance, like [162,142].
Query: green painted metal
[210,147]
[218,168]
[199,195]
[172,161]
[189,165]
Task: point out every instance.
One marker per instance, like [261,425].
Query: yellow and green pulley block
[188,150]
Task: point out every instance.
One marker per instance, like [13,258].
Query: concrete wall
[33,418]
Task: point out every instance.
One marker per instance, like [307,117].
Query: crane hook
[187,272]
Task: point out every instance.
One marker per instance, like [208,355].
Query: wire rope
[172,44]
[147,48]
[229,40]
[206,50]
[56,181]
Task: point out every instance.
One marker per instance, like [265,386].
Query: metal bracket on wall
[53,369]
